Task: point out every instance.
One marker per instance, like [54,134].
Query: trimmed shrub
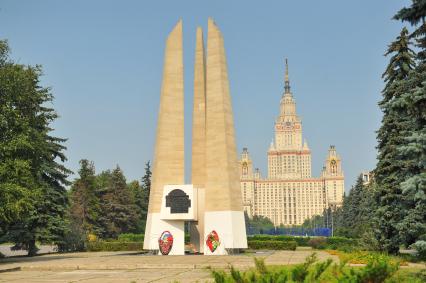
[107,246]
[318,243]
[333,243]
[272,245]
[301,241]
[336,243]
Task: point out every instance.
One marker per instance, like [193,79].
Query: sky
[103,61]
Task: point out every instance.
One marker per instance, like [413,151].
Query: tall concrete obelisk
[199,139]
[168,162]
[224,215]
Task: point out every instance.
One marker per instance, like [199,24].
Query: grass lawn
[375,267]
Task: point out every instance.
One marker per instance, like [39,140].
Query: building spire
[286,80]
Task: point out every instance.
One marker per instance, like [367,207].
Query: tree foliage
[146,188]
[401,168]
[391,168]
[118,208]
[259,224]
[32,178]
[85,204]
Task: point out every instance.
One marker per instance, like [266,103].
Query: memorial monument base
[159,227]
[226,227]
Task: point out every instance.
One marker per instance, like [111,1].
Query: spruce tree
[146,187]
[138,198]
[85,204]
[391,169]
[18,186]
[412,228]
[118,211]
[352,210]
[33,178]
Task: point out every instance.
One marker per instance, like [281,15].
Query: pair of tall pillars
[214,156]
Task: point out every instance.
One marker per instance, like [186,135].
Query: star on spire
[286,80]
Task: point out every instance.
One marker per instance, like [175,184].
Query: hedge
[108,246]
[341,241]
[301,241]
[272,245]
[130,237]
[333,243]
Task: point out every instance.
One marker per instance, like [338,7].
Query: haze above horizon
[104,60]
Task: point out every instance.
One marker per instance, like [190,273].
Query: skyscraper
[289,194]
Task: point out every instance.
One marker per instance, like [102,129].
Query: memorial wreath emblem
[165,242]
[213,241]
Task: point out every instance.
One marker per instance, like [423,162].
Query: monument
[212,204]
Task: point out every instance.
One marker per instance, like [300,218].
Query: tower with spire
[288,156]
[290,194]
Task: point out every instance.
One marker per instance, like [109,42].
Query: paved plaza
[134,267]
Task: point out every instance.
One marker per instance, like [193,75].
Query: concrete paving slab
[135,267]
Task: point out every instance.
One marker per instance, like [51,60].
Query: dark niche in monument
[178,201]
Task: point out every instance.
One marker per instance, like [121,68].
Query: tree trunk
[32,249]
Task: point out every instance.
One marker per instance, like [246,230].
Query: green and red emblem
[213,241]
[165,242]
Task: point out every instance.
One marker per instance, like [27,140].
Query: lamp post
[332,206]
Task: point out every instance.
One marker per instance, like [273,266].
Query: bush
[130,237]
[272,245]
[336,243]
[113,246]
[376,271]
[74,240]
[420,247]
[318,243]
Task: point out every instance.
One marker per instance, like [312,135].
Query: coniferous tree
[118,211]
[391,169]
[138,197]
[30,163]
[412,101]
[351,211]
[353,218]
[18,186]
[146,188]
[85,204]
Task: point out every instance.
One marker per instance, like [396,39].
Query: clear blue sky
[103,60]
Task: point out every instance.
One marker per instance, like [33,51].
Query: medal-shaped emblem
[213,241]
[165,242]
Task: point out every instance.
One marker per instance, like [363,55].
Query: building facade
[367,177]
[289,194]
